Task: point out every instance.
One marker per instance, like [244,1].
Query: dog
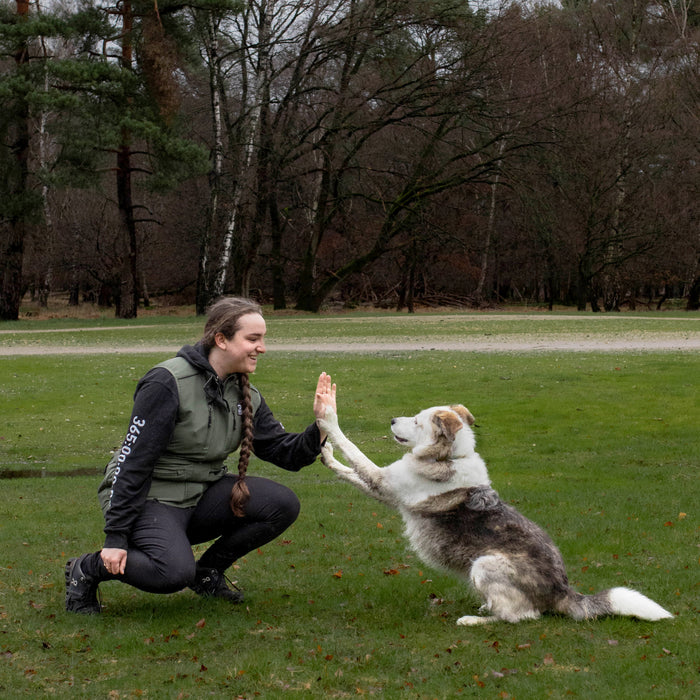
[456,522]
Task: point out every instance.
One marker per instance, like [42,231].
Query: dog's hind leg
[495,579]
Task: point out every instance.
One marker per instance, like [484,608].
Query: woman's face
[240,352]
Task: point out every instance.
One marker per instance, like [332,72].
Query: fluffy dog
[455,521]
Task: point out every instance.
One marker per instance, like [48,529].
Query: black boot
[213,583]
[81,589]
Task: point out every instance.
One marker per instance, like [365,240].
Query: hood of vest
[196,355]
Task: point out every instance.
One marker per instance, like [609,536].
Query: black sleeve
[152,422]
[272,443]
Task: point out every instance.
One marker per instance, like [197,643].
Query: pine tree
[114,100]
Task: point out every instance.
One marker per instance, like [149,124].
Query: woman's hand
[114,560]
[324,398]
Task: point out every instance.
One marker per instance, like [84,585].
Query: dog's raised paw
[329,422]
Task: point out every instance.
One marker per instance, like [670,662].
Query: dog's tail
[614,601]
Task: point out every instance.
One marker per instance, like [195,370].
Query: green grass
[600,448]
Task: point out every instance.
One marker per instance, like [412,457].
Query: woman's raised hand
[324,398]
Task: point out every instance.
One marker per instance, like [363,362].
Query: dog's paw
[332,463]
[329,422]
[471,620]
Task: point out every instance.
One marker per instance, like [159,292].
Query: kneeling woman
[168,487]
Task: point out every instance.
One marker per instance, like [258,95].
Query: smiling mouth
[400,440]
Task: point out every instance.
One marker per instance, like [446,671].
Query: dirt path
[661,342]
[604,338]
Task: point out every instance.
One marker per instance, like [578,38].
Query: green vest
[206,433]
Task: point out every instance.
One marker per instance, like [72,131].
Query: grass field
[600,448]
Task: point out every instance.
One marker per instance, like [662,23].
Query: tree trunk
[279,288]
[211,46]
[127,306]
[13,227]
[694,294]
[129,288]
[490,226]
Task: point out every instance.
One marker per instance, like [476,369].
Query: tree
[19,203]
[125,76]
[410,74]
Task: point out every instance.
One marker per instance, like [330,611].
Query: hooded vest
[208,429]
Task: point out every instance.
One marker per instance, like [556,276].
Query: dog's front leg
[367,471]
[345,473]
[351,476]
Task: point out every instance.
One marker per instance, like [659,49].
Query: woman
[168,488]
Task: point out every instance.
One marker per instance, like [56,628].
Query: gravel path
[659,343]
[577,338]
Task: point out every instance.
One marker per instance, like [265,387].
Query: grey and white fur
[455,521]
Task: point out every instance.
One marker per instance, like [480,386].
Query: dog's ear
[464,413]
[448,423]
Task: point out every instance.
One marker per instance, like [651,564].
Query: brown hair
[224,317]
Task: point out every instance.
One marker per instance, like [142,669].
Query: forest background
[310,152]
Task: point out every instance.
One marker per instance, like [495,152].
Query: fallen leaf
[201,623]
[548,660]
[613,642]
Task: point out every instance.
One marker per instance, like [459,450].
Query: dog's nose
[393,420]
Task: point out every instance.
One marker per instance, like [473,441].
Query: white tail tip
[625,601]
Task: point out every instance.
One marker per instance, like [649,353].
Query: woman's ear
[220,340]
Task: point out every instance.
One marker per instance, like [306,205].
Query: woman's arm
[292,451]
[152,422]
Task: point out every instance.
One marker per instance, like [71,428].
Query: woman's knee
[289,507]
[272,502]
[178,577]
[159,575]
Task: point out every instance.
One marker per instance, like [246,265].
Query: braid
[240,493]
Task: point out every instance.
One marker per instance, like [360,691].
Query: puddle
[40,473]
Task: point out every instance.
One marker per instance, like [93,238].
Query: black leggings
[159,556]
